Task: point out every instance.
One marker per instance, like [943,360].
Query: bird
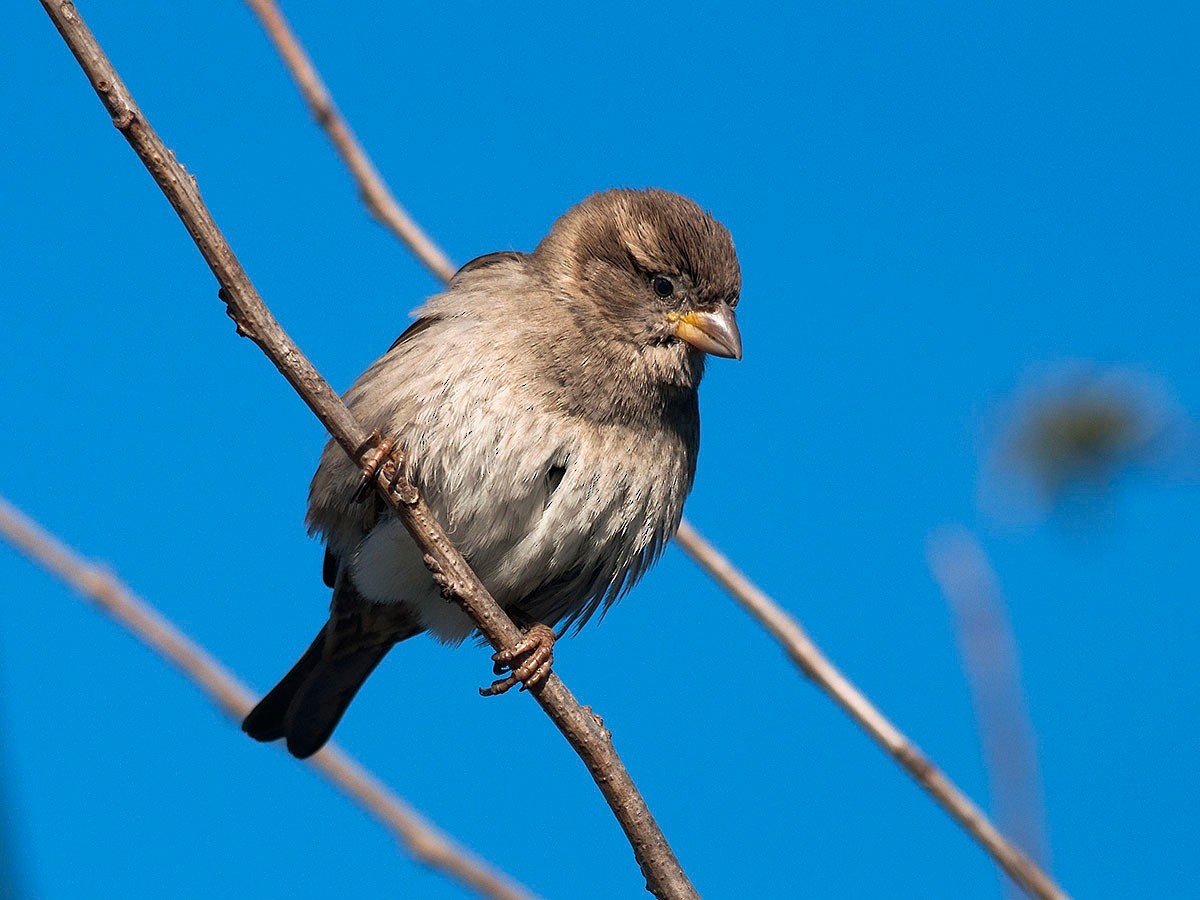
[545,405]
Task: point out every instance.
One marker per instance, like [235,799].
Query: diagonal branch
[812,662]
[418,836]
[586,734]
[379,200]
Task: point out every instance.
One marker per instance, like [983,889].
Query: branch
[588,737]
[989,655]
[380,201]
[419,837]
[782,627]
[813,663]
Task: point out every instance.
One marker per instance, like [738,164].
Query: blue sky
[929,201]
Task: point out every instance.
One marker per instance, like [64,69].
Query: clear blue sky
[928,200]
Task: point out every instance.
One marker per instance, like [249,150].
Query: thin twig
[421,838]
[380,201]
[378,196]
[813,663]
[583,730]
[989,653]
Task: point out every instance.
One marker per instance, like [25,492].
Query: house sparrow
[546,408]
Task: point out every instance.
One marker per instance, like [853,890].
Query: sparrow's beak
[712,331]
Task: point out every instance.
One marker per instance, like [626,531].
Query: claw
[541,674]
[533,657]
[498,687]
[374,451]
[382,456]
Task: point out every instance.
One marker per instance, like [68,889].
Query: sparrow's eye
[663,286]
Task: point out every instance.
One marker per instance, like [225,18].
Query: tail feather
[307,704]
[266,721]
[322,700]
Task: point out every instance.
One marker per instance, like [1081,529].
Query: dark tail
[310,700]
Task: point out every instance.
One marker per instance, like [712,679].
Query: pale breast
[556,518]
[557,514]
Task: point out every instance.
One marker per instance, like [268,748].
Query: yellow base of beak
[712,331]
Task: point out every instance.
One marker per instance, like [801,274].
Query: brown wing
[479,262]
[488,259]
[414,329]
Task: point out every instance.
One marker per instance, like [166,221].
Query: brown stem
[813,663]
[418,836]
[664,875]
[380,201]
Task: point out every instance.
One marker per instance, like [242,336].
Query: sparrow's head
[659,271]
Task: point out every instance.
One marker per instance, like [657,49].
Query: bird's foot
[374,450]
[528,663]
[382,454]
[451,589]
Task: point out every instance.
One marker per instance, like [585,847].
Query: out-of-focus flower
[1071,433]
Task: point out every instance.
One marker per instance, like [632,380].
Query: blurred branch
[419,837]
[782,627]
[582,729]
[813,663]
[380,201]
[990,660]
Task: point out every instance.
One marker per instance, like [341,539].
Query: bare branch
[990,660]
[590,740]
[813,663]
[419,837]
[380,201]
